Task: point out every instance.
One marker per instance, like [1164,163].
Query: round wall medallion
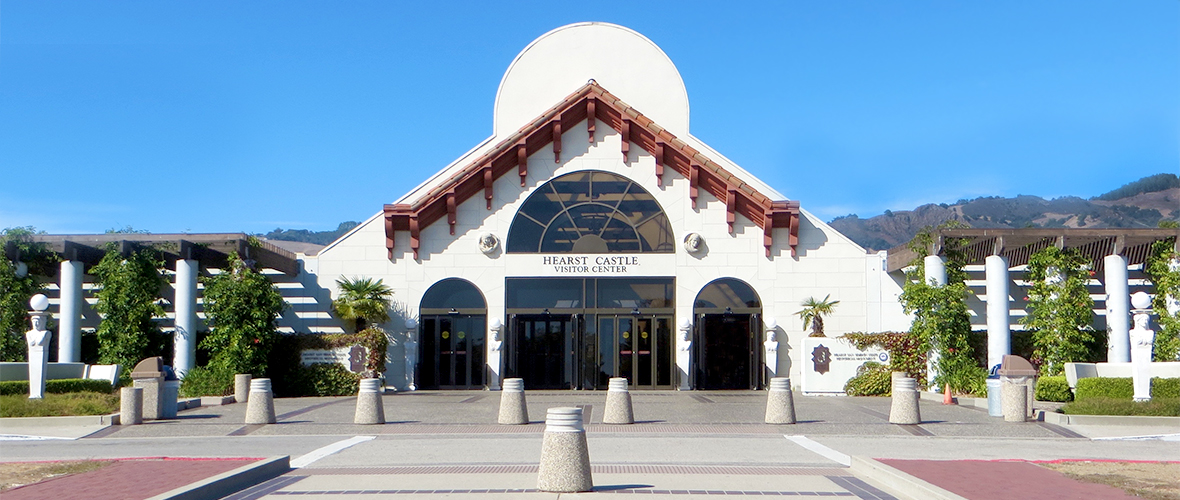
[694,243]
[488,243]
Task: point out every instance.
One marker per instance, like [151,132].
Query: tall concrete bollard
[130,406]
[513,410]
[1015,402]
[565,458]
[780,402]
[241,387]
[904,407]
[618,403]
[260,409]
[370,409]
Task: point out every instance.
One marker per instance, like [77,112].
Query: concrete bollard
[565,458]
[1015,402]
[130,406]
[370,408]
[513,410]
[241,387]
[904,407]
[260,409]
[780,402]
[618,403]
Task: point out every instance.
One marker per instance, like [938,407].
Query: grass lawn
[59,405]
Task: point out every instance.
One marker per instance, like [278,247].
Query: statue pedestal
[37,364]
[1142,340]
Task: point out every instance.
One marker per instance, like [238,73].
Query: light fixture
[411,324]
[546,312]
[453,311]
[728,311]
[771,324]
[635,311]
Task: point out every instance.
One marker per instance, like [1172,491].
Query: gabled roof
[593,103]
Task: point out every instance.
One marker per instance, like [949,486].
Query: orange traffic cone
[947,399]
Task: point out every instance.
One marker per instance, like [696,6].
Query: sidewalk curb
[1063,419]
[85,420]
[228,483]
[1051,417]
[899,481]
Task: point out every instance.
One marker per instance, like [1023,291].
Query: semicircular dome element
[559,62]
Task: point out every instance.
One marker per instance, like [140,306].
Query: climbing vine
[1166,277]
[906,353]
[941,322]
[1060,310]
[16,290]
[128,296]
[241,306]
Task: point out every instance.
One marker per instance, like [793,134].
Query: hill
[1143,203]
[304,236]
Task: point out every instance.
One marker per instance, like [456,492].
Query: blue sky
[246,116]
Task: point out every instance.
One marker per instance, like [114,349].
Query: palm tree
[813,313]
[362,300]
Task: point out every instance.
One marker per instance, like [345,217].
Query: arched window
[453,294]
[727,293]
[590,212]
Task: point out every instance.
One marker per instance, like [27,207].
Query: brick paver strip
[985,480]
[128,479]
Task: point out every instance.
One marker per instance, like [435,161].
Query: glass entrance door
[543,347]
[452,352]
[638,348]
[728,353]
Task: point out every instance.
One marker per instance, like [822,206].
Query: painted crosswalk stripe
[821,450]
[336,447]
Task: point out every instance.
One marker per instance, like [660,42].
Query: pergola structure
[185,254]
[1111,252]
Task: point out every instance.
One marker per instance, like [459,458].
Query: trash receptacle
[169,394]
[993,393]
[1016,370]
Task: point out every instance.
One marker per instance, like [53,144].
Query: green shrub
[1157,407]
[57,386]
[320,379]
[207,381]
[872,379]
[1123,388]
[1053,388]
[964,376]
[59,405]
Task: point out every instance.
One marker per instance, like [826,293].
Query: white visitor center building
[592,236]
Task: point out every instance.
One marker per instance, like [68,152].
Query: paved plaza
[684,444]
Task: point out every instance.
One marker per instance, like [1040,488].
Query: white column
[1118,310]
[935,270]
[1172,302]
[185,357]
[999,334]
[69,317]
[935,267]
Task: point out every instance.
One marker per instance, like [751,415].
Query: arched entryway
[452,330]
[726,353]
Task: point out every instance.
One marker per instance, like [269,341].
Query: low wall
[1075,371]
